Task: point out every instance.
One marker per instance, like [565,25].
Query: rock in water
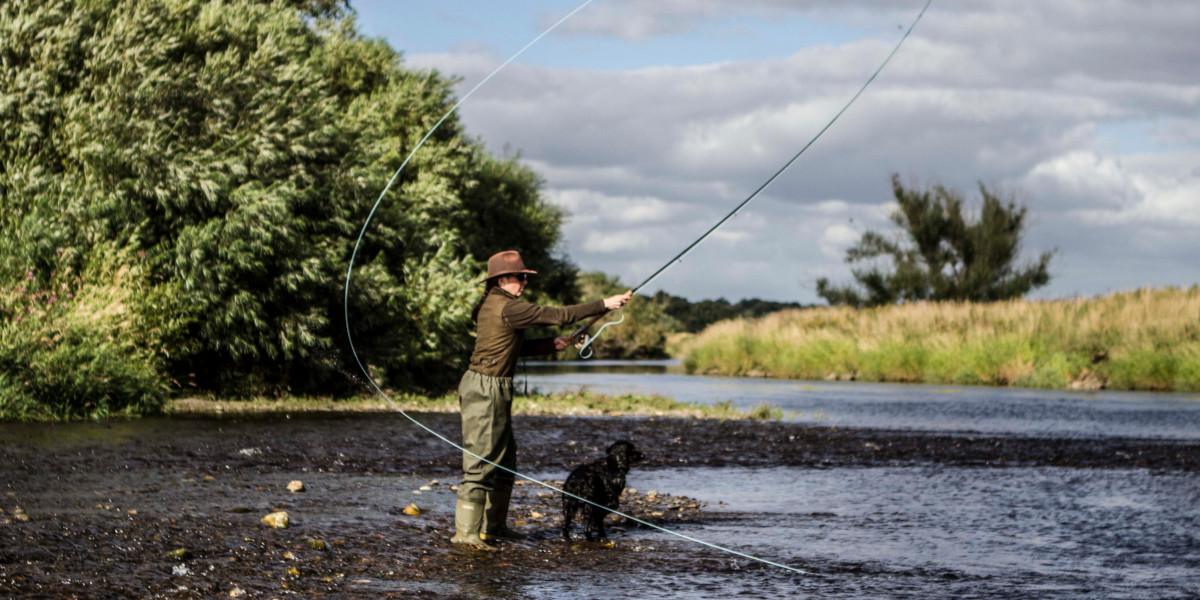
[412,509]
[296,486]
[278,520]
[178,554]
[317,544]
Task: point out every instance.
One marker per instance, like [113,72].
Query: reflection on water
[894,406]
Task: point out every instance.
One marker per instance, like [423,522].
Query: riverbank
[576,404]
[1141,340]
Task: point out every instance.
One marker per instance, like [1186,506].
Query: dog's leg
[600,516]
[568,513]
[595,524]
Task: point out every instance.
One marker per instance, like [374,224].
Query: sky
[650,120]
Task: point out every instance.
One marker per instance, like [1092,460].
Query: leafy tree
[941,253]
[504,211]
[230,151]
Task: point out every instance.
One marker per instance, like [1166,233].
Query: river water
[892,406]
[930,531]
[874,491]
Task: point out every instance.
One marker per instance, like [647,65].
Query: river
[892,406]
[873,491]
[933,531]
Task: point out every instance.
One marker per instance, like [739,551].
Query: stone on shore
[278,520]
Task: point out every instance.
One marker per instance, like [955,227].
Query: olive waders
[485,397]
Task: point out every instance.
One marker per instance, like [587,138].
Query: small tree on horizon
[942,254]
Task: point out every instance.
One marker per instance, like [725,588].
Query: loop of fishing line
[679,257]
[396,175]
[586,346]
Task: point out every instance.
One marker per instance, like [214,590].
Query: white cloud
[837,238]
[616,241]
[1014,92]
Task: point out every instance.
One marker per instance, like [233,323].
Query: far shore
[561,404]
[1144,340]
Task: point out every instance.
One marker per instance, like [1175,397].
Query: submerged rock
[295,486]
[278,520]
[316,544]
[412,509]
[179,554]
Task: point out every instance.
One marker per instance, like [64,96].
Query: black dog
[602,482]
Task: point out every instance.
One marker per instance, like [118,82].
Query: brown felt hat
[507,263]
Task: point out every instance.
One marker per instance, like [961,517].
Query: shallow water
[1061,496]
[938,532]
[893,406]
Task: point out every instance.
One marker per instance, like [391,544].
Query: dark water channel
[873,491]
[894,406]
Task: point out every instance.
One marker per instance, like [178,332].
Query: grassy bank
[1141,340]
[570,403]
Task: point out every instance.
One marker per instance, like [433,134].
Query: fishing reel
[583,341]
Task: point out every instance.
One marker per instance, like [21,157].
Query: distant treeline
[693,317]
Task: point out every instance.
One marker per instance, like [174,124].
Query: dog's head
[624,454]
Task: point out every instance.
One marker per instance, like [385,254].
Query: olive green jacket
[501,337]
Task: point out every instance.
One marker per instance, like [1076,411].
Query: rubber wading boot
[468,517]
[495,521]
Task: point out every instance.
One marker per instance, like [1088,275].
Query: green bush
[85,343]
[232,149]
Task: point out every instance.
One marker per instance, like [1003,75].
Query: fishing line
[357,359]
[379,390]
[772,178]
[586,341]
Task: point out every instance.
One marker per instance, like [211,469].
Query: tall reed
[1147,339]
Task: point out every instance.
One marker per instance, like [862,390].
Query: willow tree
[941,252]
[227,153]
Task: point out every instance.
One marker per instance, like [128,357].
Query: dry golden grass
[1144,339]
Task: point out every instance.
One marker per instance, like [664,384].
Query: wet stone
[295,486]
[278,520]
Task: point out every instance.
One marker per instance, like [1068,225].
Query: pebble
[316,544]
[295,486]
[425,488]
[278,520]
[237,592]
[412,509]
[178,554]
